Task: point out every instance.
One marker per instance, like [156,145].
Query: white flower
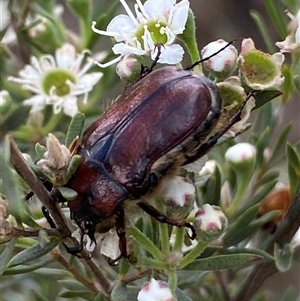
[155,291]
[156,22]
[223,63]
[241,152]
[58,81]
[292,41]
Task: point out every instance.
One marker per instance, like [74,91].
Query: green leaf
[33,252]
[283,257]
[119,292]
[262,144]
[87,295]
[293,168]
[264,96]
[40,150]
[247,230]
[213,188]
[12,191]
[181,296]
[240,224]
[269,176]
[293,179]
[6,255]
[259,21]
[265,256]
[263,192]
[21,269]
[73,166]
[75,128]
[296,82]
[222,262]
[280,143]
[279,19]
[13,119]
[293,158]
[82,8]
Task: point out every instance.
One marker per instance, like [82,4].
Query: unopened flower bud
[56,162]
[224,63]
[210,222]
[260,70]
[155,291]
[242,158]
[178,194]
[240,153]
[129,68]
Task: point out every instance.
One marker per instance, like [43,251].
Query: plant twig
[38,188]
[284,233]
[90,285]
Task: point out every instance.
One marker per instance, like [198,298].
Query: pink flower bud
[155,291]
[129,68]
[241,152]
[210,222]
[178,194]
[222,64]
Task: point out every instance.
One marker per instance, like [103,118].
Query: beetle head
[97,195]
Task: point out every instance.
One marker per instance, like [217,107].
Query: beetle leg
[164,219]
[48,217]
[75,250]
[120,228]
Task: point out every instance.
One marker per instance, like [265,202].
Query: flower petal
[180,16]
[169,54]
[122,27]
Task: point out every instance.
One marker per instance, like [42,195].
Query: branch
[38,188]
[284,233]
[50,202]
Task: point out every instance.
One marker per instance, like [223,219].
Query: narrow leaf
[264,96]
[181,296]
[293,158]
[75,128]
[241,223]
[119,292]
[33,252]
[222,262]
[6,255]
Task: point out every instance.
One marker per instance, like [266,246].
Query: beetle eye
[88,224]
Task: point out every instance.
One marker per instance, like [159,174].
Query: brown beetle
[165,120]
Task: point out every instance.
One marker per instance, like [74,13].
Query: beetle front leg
[120,229]
[164,219]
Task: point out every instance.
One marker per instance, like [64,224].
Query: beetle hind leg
[164,219]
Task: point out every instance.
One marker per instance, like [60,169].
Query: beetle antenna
[210,56]
[146,70]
